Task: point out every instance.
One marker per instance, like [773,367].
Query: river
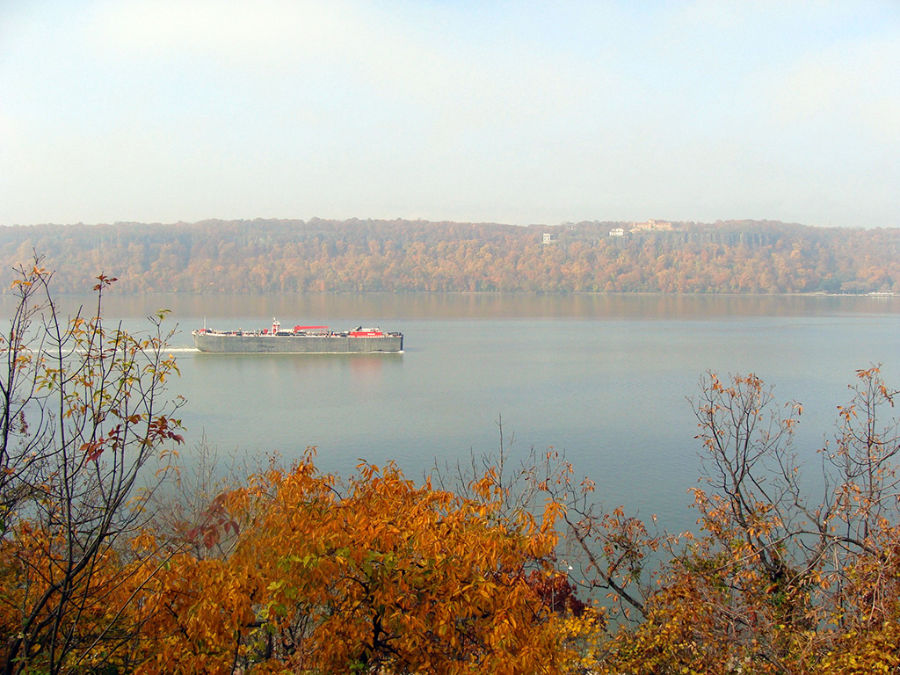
[606,379]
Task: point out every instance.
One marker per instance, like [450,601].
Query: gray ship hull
[230,343]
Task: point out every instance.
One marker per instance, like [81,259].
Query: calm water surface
[604,378]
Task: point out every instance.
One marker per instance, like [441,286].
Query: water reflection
[354,308]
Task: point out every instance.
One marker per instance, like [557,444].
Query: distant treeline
[376,255]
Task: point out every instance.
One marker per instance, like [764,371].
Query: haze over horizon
[521,113]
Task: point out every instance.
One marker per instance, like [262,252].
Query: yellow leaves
[404,575]
[847,413]
[144,541]
[485,487]
[552,510]
[300,571]
[869,652]
[867,373]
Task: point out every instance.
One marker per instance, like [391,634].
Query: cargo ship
[298,340]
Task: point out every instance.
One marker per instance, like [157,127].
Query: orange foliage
[299,571]
[388,576]
[266,256]
[84,412]
[776,583]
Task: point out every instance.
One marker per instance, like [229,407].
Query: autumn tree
[373,575]
[84,412]
[777,581]
[368,255]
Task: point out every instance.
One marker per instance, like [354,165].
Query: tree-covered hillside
[374,255]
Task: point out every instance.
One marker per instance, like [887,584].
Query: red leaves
[162,428]
[556,592]
[103,281]
[207,535]
[216,522]
[93,449]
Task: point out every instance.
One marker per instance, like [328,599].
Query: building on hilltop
[652,225]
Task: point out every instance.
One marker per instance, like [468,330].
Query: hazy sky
[514,112]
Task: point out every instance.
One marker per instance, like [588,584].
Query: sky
[511,112]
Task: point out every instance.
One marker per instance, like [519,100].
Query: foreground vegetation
[266,256]
[111,560]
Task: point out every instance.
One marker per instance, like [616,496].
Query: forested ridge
[243,256]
